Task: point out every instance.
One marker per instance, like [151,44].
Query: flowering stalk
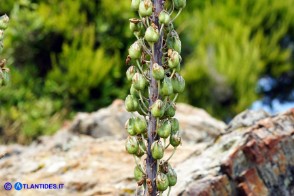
[154,60]
[3,70]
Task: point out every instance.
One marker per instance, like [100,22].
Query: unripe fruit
[179,4]
[157,150]
[174,43]
[134,91]
[172,176]
[135,24]
[145,8]
[132,145]
[174,59]
[139,81]
[131,72]
[161,181]
[157,109]
[130,126]
[170,110]
[140,125]
[135,50]
[175,139]
[131,103]
[178,83]
[164,17]
[178,68]
[4,22]
[164,130]
[174,125]
[157,71]
[138,174]
[141,149]
[166,87]
[152,34]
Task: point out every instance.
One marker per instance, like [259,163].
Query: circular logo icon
[18,186]
[8,186]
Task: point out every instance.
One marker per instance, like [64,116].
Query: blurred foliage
[26,113]
[233,44]
[68,56]
[81,69]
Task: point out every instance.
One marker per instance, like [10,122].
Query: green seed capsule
[132,145]
[174,43]
[172,176]
[4,22]
[170,110]
[138,174]
[178,83]
[175,139]
[135,24]
[131,72]
[157,150]
[135,5]
[174,59]
[145,8]
[175,126]
[166,87]
[131,103]
[157,71]
[135,50]
[130,126]
[157,109]
[179,4]
[134,91]
[140,125]
[152,34]
[141,149]
[164,17]
[164,130]
[161,181]
[139,81]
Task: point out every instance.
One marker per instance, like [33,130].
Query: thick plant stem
[151,164]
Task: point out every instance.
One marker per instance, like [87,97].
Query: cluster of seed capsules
[143,69]
[3,70]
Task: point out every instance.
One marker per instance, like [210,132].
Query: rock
[196,124]
[246,119]
[255,160]
[108,121]
[85,165]
[89,156]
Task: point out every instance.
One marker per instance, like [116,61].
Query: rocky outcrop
[253,158]
[196,124]
[88,156]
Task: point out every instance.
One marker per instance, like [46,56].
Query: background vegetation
[68,56]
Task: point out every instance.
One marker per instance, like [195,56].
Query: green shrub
[233,45]
[80,68]
[24,115]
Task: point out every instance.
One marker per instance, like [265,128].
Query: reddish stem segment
[151,164]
